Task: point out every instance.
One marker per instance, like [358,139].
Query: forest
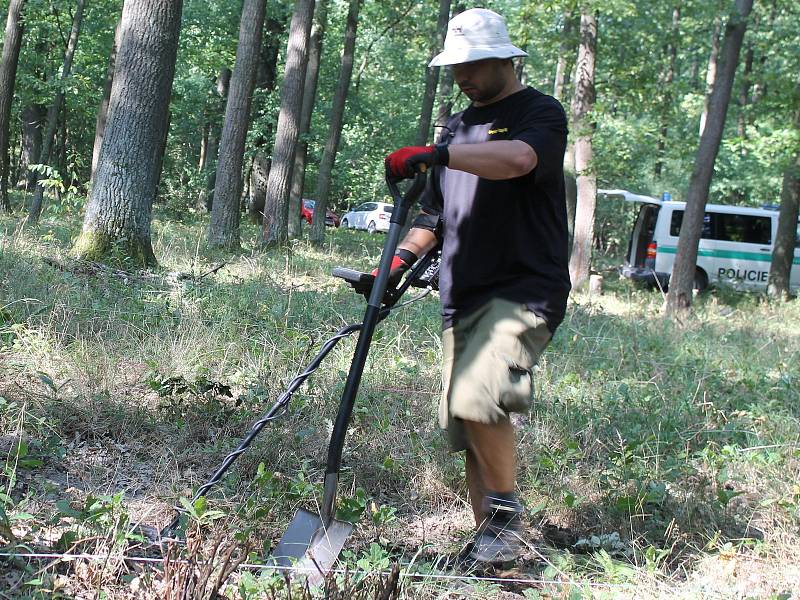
[164,279]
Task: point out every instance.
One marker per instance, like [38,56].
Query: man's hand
[401,163]
[402,261]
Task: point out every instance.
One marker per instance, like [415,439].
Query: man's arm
[501,159]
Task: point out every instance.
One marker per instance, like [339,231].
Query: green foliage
[633,104]
[352,508]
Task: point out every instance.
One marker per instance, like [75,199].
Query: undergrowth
[660,459]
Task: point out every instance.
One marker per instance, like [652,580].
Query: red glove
[401,163]
[401,262]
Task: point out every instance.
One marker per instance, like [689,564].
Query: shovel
[312,542]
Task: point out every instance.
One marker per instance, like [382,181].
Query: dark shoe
[499,539]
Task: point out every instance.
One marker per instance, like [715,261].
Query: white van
[735,246]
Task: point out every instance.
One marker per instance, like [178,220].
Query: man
[496,201]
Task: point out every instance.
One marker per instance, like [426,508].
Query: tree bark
[711,72]
[215,109]
[317,235]
[432,77]
[267,70]
[446,100]
[60,160]
[307,111]
[102,111]
[33,116]
[223,231]
[744,93]
[276,208]
[203,160]
[582,104]
[54,110]
[8,76]
[570,191]
[666,80]
[780,271]
[679,298]
[117,219]
[566,48]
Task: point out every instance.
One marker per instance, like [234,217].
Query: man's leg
[491,474]
[494,450]
[475,486]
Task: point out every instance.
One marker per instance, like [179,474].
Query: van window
[729,227]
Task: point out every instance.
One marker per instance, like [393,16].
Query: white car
[372,216]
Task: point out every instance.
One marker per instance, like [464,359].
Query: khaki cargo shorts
[487,359]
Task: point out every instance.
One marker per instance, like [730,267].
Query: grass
[660,459]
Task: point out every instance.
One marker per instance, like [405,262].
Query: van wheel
[345,224]
[371,228]
[700,282]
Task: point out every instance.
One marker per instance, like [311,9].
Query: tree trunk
[780,270]
[711,72]
[203,161]
[446,100]
[102,112]
[223,231]
[33,116]
[317,235]
[744,93]
[259,174]
[566,48]
[55,109]
[683,272]
[666,81]
[432,77]
[215,109]
[8,76]
[270,49]
[307,111]
[582,104]
[276,208]
[60,160]
[570,191]
[118,212]
[267,70]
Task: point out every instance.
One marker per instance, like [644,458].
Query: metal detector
[312,542]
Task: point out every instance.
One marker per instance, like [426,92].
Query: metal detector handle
[403,203]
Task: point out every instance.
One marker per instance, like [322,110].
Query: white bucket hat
[476,34]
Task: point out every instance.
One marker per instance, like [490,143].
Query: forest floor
[659,460]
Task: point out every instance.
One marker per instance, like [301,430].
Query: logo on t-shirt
[501,130]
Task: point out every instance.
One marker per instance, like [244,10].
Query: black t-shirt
[507,238]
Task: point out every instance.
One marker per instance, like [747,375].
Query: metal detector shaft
[300,378]
[403,203]
[271,414]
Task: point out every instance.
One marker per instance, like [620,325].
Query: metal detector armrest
[361,282]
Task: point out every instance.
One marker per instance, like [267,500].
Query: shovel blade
[310,545]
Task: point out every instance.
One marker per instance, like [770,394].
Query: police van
[735,247]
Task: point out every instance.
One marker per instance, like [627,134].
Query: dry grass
[670,454]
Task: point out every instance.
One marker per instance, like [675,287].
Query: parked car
[372,216]
[307,213]
[735,245]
